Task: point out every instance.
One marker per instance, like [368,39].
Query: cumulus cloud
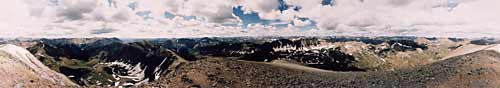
[268,9]
[76,9]
[390,15]
[218,11]
[198,18]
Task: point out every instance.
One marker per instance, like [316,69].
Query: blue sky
[253,17]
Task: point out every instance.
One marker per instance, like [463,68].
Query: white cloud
[99,18]
[13,13]
[298,22]
[370,16]
[267,9]
[76,9]
[218,11]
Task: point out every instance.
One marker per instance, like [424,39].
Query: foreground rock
[19,68]
[474,70]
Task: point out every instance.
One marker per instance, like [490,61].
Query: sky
[232,18]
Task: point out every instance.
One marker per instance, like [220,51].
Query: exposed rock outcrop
[19,68]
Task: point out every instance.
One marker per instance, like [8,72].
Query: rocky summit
[254,62]
[20,69]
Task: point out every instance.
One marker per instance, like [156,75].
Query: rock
[19,68]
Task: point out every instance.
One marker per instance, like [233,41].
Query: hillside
[269,61]
[19,68]
[478,69]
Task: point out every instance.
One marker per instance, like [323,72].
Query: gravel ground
[476,70]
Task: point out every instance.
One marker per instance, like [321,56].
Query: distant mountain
[479,68]
[129,62]
[338,53]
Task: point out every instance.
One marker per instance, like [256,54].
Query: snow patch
[133,72]
[495,47]
[314,48]
[465,50]
[471,49]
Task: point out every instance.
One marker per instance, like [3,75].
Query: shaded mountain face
[115,62]
[330,53]
[283,49]
[105,62]
[338,53]
[485,41]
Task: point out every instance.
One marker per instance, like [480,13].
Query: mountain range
[257,62]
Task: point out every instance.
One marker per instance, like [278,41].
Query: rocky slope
[19,69]
[185,62]
[479,69]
